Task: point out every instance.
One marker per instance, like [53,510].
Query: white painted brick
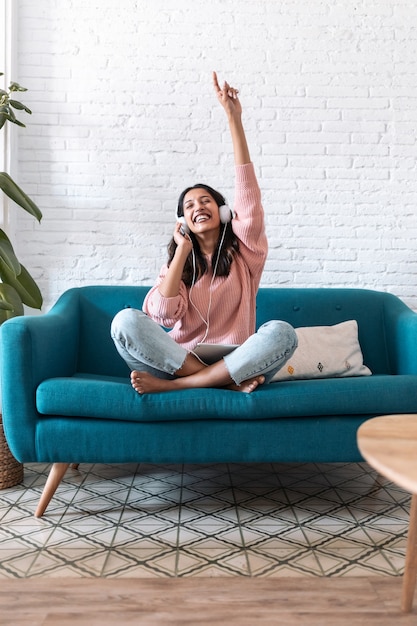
[124,118]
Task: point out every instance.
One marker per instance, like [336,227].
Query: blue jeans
[145,346]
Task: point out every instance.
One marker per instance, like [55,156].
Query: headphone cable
[206,321]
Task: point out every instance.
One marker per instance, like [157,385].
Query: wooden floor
[206,601]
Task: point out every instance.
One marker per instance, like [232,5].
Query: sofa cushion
[325,352]
[114,399]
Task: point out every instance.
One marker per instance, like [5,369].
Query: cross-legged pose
[205,292]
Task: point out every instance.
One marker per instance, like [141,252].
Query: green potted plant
[17,286]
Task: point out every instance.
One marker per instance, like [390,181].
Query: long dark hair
[229,246]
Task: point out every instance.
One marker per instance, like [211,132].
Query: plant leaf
[10,114]
[12,303]
[18,123]
[7,254]
[16,87]
[18,105]
[24,284]
[15,193]
[5,306]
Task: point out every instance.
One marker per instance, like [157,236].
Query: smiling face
[201,210]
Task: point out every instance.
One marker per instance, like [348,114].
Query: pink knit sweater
[232,311]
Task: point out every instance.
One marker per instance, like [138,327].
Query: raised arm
[228,98]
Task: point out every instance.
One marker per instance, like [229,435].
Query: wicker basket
[11,471]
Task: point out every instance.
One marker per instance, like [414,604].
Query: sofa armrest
[34,348]
[401,336]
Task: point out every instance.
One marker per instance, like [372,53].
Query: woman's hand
[170,285]
[183,241]
[228,97]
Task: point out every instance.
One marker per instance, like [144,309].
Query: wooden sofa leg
[56,474]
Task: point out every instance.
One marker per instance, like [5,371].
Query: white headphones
[226,215]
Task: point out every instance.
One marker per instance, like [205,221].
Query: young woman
[206,291]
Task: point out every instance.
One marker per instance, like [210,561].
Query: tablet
[212,352]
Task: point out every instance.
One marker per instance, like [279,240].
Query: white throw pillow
[325,352]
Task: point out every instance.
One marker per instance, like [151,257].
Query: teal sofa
[67,395]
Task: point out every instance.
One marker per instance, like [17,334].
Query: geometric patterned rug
[259,520]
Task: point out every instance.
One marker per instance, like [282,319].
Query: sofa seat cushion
[113,398]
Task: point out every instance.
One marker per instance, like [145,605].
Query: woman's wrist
[235,119]
[181,253]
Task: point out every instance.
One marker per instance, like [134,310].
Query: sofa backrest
[98,305]
[298,306]
[329,306]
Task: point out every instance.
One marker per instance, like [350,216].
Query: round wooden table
[389,444]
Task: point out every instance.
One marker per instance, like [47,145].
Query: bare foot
[143,382]
[247,386]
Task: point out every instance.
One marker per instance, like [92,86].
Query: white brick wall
[124,118]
